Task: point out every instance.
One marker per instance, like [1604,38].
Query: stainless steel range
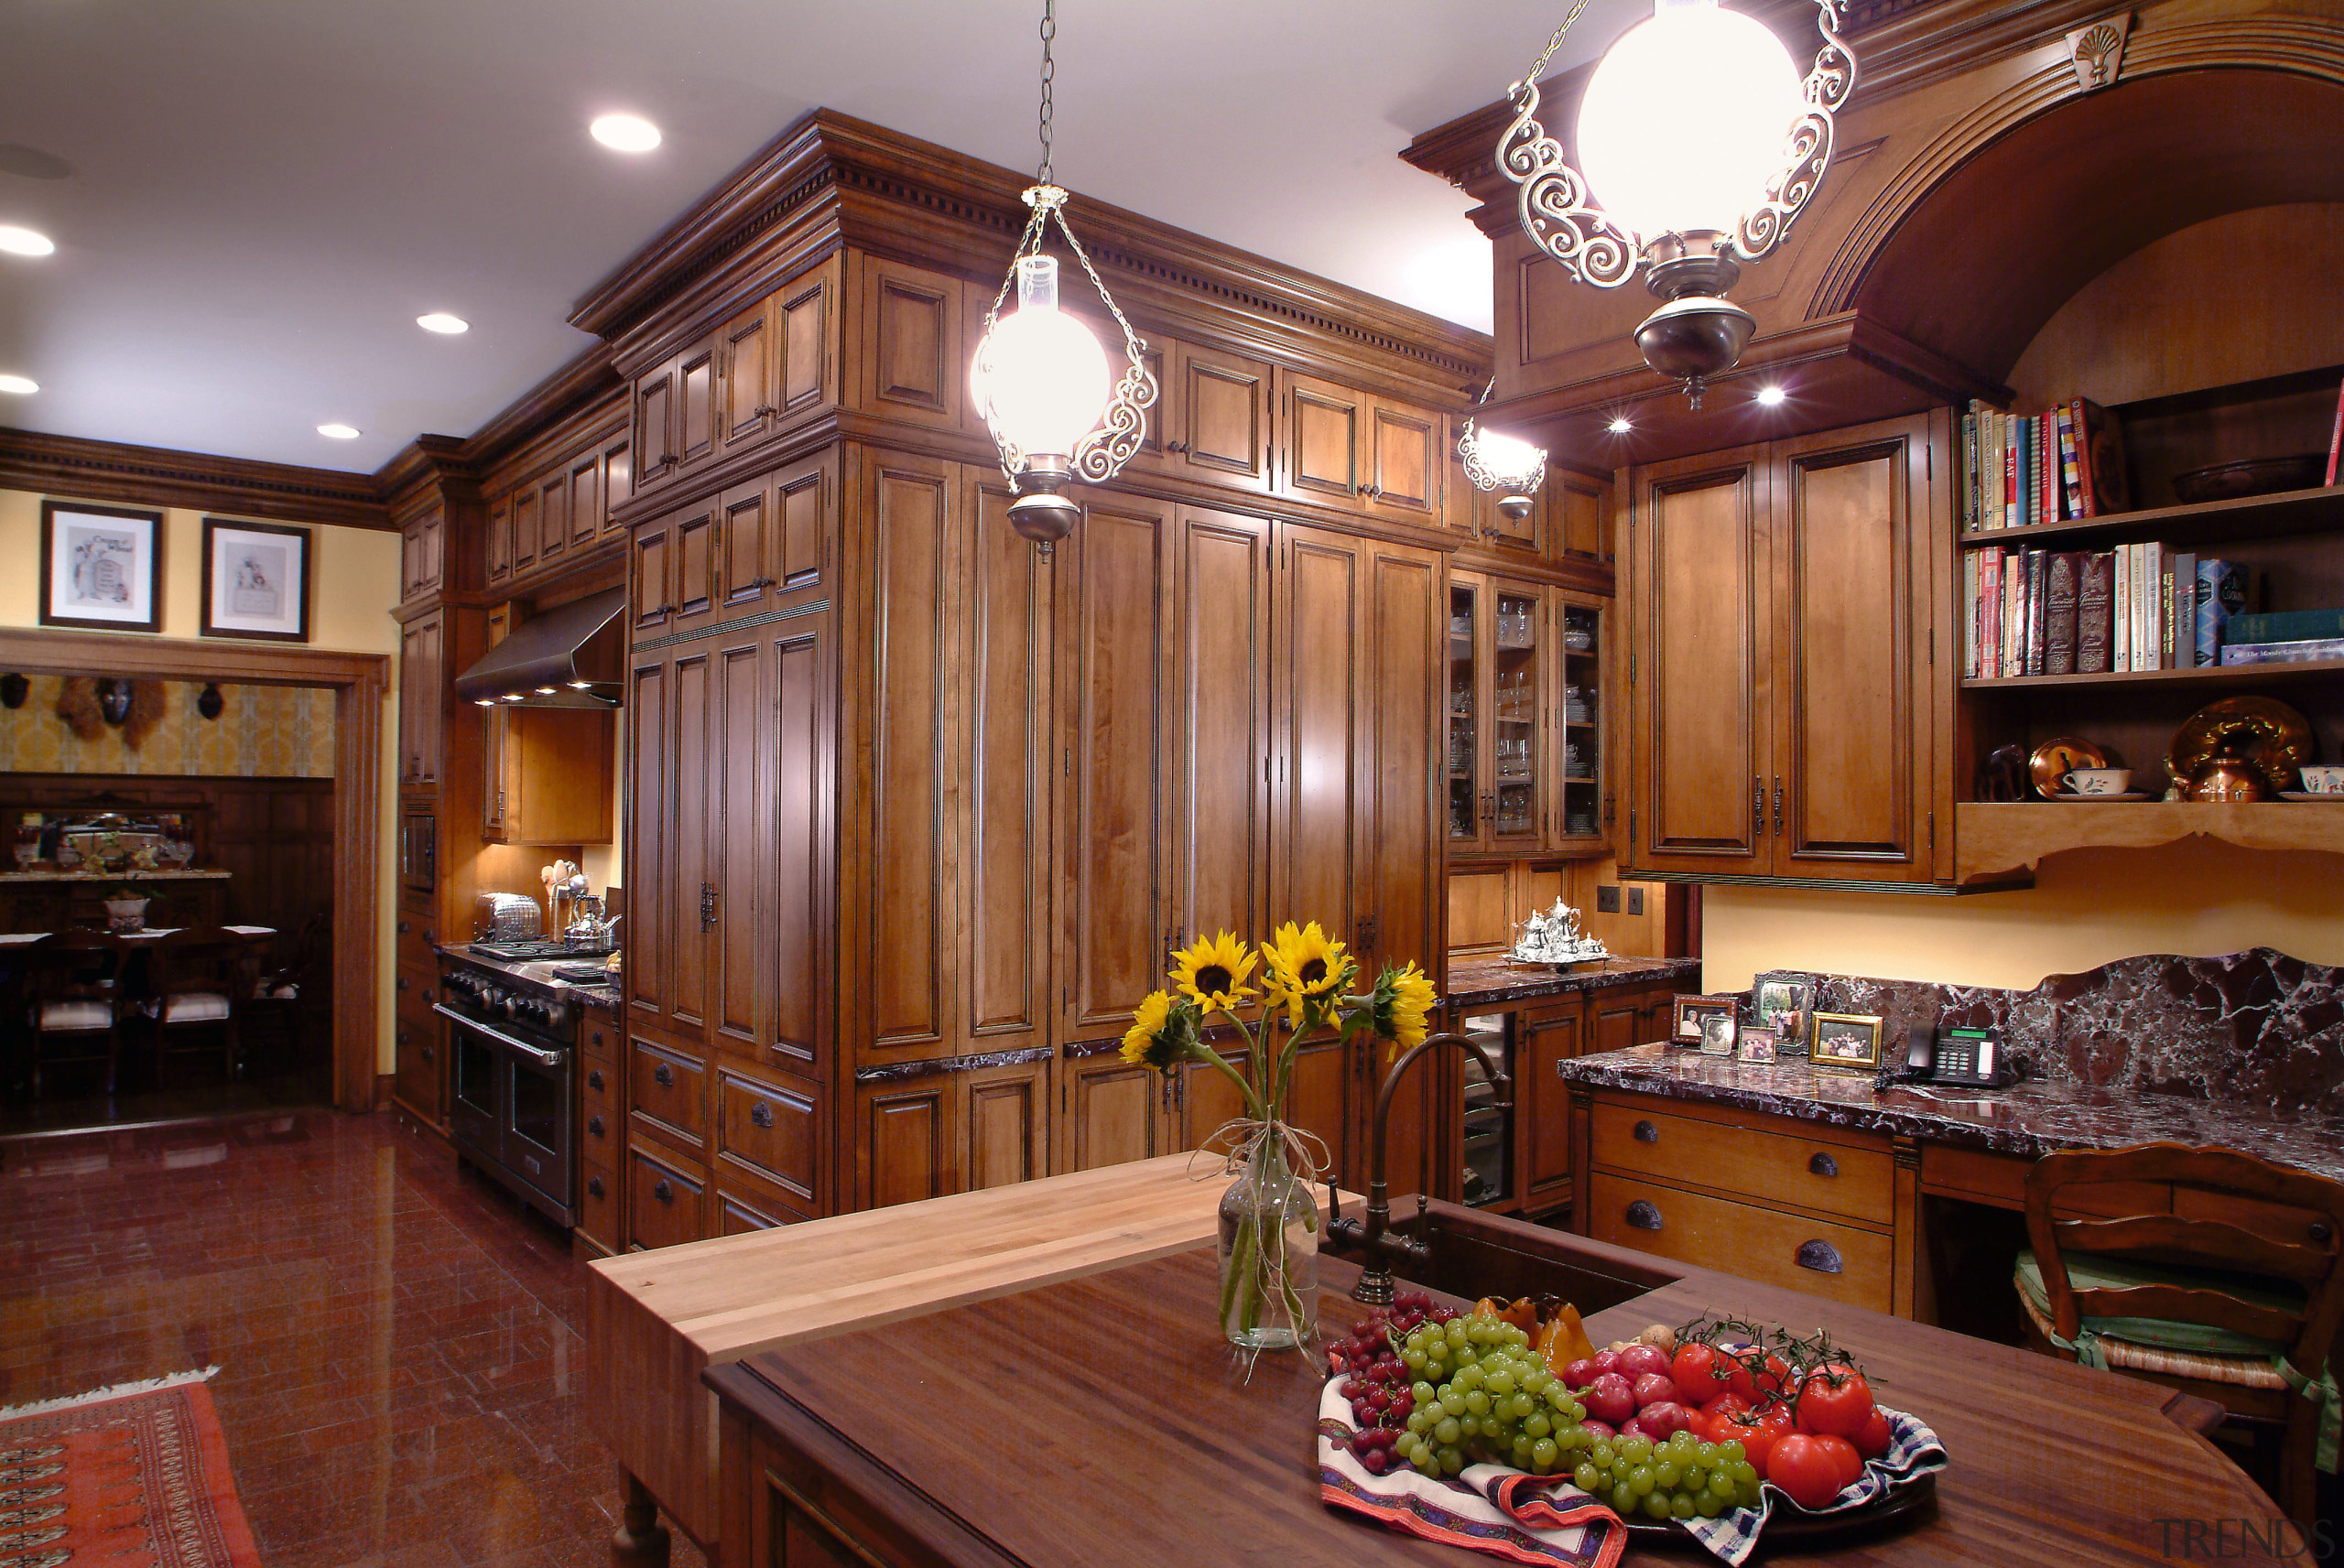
[511,1050]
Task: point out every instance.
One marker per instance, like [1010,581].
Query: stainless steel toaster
[507,917]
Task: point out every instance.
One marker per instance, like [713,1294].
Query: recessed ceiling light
[338,432]
[20,384]
[1620,425]
[25,242]
[626,133]
[1772,397]
[440,321]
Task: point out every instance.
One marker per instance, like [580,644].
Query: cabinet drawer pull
[1646,1132]
[594,1125]
[664,1192]
[593,1186]
[761,1114]
[2320,1231]
[404,928]
[1644,1216]
[663,1075]
[400,983]
[1822,1165]
[1820,1256]
[405,1038]
[597,1040]
[594,1080]
[1176,448]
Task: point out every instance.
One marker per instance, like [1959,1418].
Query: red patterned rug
[130,1476]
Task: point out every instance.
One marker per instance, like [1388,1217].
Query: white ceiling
[266,193]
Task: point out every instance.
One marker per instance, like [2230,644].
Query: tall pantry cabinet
[916,811]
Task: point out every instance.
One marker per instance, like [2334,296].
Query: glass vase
[1269,1252]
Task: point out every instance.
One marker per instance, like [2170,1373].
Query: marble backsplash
[2256,1028]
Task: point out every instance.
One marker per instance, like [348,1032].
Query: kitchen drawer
[667,1200]
[598,1036]
[1976,1176]
[746,1203]
[413,991]
[598,1205]
[1777,1167]
[600,1086]
[769,1129]
[418,944]
[668,1090]
[598,1131]
[1838,1262]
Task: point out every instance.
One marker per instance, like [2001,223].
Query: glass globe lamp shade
[1040,374]
[1513,463]
[1685,120]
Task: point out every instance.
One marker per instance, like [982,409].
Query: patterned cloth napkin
[1542,1521]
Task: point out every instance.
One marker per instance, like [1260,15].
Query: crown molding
[76,467]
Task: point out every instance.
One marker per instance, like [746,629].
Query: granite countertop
[185,875]
[2030,1119]
[541,974]
[1479,980]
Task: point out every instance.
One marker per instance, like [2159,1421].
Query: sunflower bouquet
[1275,995]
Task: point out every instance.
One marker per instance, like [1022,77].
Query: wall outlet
[1607,900]
[1635,901]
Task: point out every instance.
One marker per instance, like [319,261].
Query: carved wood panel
[1005,646]
[742,928]
[690,887]
[650,918]
[1219,697]
[913,364]
[1325,427]
[801,854]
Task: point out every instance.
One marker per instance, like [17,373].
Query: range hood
[573,656]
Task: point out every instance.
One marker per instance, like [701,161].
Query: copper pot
[2228,775]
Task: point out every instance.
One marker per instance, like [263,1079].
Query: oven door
[539,1121]
[476,1105]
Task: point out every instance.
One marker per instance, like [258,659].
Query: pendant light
[1703,146]
[1040,380]
[1506,464]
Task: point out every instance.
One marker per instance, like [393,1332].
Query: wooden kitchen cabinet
[778,359]
[499,568]
[675,415]
[546,773]
[1783,700]
[912,364]
[928,1134]
[423,557]
[1215,410]
[422,696]
[528,507]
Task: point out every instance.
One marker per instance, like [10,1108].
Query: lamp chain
[1539,67]
[1049,70]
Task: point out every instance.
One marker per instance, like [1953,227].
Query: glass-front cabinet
[1525,751]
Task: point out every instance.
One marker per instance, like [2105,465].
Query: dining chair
[2241,1308]
[286,995]
[74,997]
[196,984]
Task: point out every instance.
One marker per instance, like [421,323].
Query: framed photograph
[255,581]
[1693,1013]
[1756,1044]
[1778,995]
[1846,1040]
[101,567]
[1718,1030]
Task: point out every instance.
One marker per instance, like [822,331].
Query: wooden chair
[287,995]
[2243,1317]
[73,996]
[197,984]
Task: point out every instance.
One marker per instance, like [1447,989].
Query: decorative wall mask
[13,689]
[77,704]
[209,702]
[114,700]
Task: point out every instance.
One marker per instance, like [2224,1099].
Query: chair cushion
[2087,1272]
[77,1015]
[195,1007]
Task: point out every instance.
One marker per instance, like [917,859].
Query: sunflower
[1160,1032]
[1214,970]
[1302,968]
[1402,997]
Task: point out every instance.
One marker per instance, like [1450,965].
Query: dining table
[148,933]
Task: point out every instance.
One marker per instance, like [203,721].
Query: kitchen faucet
[1376,1233]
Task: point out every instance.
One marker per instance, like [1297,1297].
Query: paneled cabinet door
[493,750]
[1111,1112]
[1115,612]
[650,833]
[745,405]
[1701,651]
[1218,700]
[422,665]
[676,414]
[500,539]
[911,359]
[936,1133]
[585,498]
[526,510]
[1549,1035]
[1853,725]
[1407,463]
[695,556]
[1216,414]
[618,477]
[1326,440]
[553,516]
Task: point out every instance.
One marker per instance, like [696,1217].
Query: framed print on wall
[100,568]
[255,581]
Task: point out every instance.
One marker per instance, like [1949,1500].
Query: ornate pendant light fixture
[1506,464]
[1703,146]
[1040,378]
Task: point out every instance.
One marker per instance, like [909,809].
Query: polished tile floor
[400,1346]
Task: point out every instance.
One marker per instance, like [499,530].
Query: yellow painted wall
[2198,897]
[355,583]
[263,732]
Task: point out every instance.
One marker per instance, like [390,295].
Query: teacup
[2097,780]
[2324,778]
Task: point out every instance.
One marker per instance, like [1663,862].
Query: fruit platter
[1708,1434]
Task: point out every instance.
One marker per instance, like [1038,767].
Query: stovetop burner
[533,952]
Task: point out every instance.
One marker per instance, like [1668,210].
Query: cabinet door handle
[1646,1132]
[2320,1232]
[598,1040]
[594,1125]
[758,583]
[406,1039]
[1757,805]
[593,1186]
[1778,806]
[1176,449]
[664,1192]
[764,411]
[594,1080]
[400,983]
[403,927]
[1644,1216]
[707,905]
[761,1114]
[1822,1165]
[1820,1256]
[663,1075]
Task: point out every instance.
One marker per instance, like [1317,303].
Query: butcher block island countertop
[1099,1421]
[659,1319]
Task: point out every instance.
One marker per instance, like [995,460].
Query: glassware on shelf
[1577,707]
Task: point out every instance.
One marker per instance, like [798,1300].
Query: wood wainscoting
[359,682]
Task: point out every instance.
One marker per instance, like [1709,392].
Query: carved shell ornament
[2097,51]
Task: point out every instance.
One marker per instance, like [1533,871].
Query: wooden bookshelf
[2287,513]
[1996,840]
[2213,677]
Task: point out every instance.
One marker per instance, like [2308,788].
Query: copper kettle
[2229,774]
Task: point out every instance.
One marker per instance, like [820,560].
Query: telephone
[1972,1057]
